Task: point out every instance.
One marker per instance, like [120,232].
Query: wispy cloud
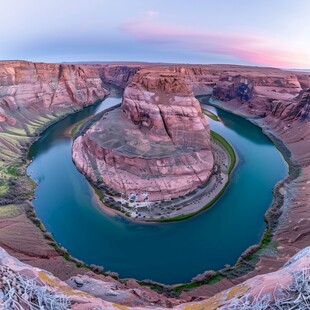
[254,49]
[151,14]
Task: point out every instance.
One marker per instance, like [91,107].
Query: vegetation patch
[211,115]
[12,170]
[227,147]
[10,211]
[120,307]
[3,189]
[217,276]
[76,127]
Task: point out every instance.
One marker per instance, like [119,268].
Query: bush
[96,268]
[112,274]
[204,277]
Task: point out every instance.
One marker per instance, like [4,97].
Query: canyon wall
[32,97]
[45,88]
[117,74]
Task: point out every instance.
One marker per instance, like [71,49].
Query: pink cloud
[253,49]
[151,14]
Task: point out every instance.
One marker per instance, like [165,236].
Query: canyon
[33,96]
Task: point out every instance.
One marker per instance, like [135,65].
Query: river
[165,252]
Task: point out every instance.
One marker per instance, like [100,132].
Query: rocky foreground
[158,143]
[33,96]
[26,287]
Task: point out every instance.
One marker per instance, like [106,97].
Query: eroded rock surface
[159,142]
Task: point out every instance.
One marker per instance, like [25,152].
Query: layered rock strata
[158,143]
[118,75]
[39,88]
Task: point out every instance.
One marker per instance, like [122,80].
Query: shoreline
[115,212]
[41,249]
[206,199]
[110,211]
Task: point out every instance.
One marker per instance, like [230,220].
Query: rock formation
[159,143]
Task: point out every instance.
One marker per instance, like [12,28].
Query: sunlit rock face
[158,142]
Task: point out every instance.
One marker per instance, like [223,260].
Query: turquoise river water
[165,252]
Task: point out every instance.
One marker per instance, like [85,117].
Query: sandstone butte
[158,143]
[33,96]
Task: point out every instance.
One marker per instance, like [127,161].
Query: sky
[254,32]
